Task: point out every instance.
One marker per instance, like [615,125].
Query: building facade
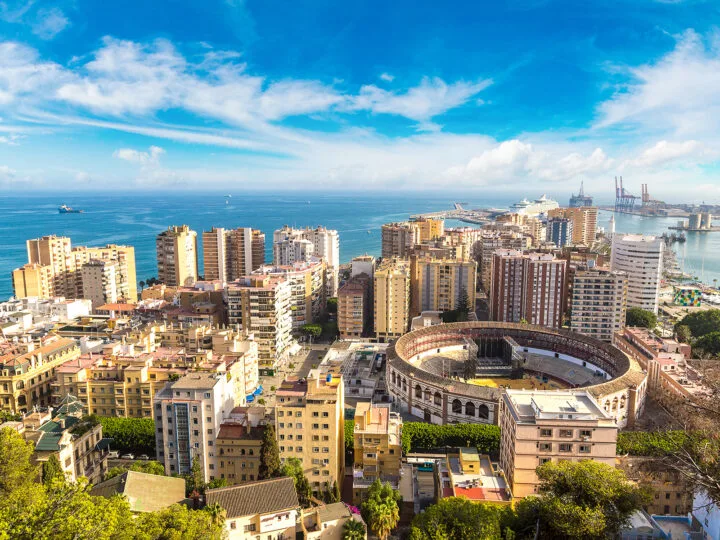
[584,222]
[355,307]
[177,256]
[641,258]
[229,254]
[439,284]
[541,426]
[559,231]
[391,299]
[599,302]
[292,245]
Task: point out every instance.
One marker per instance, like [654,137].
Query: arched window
[483,411]
[614,404]
[418,391]
[242,451]
[428,395]
[470,408]
[393,378]
[607,405]
[457,406]
[438,398]
[622,402]
[251,452]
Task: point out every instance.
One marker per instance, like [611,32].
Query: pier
[478,216]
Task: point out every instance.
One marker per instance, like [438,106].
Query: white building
[188,415]
[288,248]
[706,516]
[641,258]
[101,282]
[599,301]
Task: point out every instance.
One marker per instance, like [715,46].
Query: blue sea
[136,219]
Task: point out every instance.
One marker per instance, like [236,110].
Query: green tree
[269,454]
[458,517]
[581,500]
[336,495]
[702,322]
[216,483]
[217,513]
[195,481]
[179,522]
[294,469]
[707,345]
[683,333]
[353,530]
[147,467]
[130,434]
[636,316]
[349,435]
[142,285]
[420,436]
[381,510]
[332,304]
[312,330]
[52,470]
[463,306]
[16,467]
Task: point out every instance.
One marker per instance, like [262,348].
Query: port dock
[479,216]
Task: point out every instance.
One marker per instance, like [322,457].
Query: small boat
[65,209]
[228,196]
[369,232]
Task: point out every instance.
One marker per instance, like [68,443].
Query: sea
[137,218]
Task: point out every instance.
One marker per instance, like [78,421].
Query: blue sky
[523,95]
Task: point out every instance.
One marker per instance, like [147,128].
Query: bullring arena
[455,373]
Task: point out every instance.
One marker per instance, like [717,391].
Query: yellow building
[392,299]
[310,426]
[238,445]
[584,222]
[125,258]
[33,280]
[177,256]
[439,284]
[466,473]
[27,371]
[429,228]
[377,448]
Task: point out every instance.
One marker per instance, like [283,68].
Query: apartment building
[292,245]
[229,254]
[641,258]
[672,494]
[364,264]
[260,305]
[398,239]
[440,284]
[267,509]
[310,426]
[177,256]
[559,231]
[27,370]
[307,289]
[551,425]
[188,416]
[355,307]
[584,222]
[489,243]
[377,451]
[54,269]
[101,282]
[599,302]
[527,287]
[238,445]
[72,438]
[391,299]
[531,226]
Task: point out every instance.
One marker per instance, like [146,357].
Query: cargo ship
[65,209]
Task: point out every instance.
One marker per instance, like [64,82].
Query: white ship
[534,208]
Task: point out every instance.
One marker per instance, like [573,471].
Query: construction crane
[647,201]
[624,200]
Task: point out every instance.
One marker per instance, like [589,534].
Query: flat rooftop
[531,405]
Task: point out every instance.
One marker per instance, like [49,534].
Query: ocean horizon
[136,219]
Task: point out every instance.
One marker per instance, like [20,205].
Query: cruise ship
[534,208]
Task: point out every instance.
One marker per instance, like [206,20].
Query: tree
[336,495]
[381,510]
[332,304]
[178,522]
[683,333]
[129,434]
[142,285]
[269,455]
[216,483]
[702,322]
[707,345]
[349,435]
[458,517]
[52,470]
[636,316]
[16,469]
[217,513]
[419,437]
[313,331]
[147,467]
[353,530]
[580,500]
[463,306]
[195,481]
[294,469]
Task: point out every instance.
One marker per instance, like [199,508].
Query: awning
[258,390]
[250,398]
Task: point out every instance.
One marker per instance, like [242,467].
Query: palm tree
[354,529]
[217,513]
[384,519]
[142,285]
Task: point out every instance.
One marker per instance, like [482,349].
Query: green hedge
[650,443]
[130,434]
[422,437]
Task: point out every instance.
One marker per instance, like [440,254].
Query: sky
[525,96]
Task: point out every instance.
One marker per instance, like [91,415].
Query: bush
[130,434]
[349,435]
[419,436]
[636,316]
[650,443]
[702,322]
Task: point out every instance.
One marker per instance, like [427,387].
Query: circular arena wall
[443,400]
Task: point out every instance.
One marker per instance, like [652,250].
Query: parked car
[113,454]
[144,457]
[127,456]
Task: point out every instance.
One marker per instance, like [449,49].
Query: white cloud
[6,173]
[664,152]
[23,75]
[387,77]
[50,22]
[10,140]
[150,172]
[152,157]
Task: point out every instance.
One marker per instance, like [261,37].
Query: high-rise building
[55,252]
[439,284]
[307,287]
[229,254]
[310,426]
[584,222]
[261,305]
[101,282]
[177,256]
[292,245]
[355,307]
[491,241]
[599,300]
[364,264]
[429,228]
[124,256]
[34,280]
[641,258]
[377,449]
[538,426]
[398,239]
[560,231]
[188,416]
[528,287]
[391,299]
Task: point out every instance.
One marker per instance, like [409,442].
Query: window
[584,448]
[249,528]
[566,433]
[316,426]
[326,426]
[545,447]
[586,433]
[544,460]
[546,432]
[565,447]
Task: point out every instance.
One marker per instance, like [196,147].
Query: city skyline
[527,95]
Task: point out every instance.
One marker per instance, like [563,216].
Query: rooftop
[196,381]
[144,492]
[261,497]
[531,405]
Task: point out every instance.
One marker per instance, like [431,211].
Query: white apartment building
[599,302]
[288,248]
[188,415]
[641,258]
[101,282]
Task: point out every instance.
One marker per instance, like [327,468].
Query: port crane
[624,200]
